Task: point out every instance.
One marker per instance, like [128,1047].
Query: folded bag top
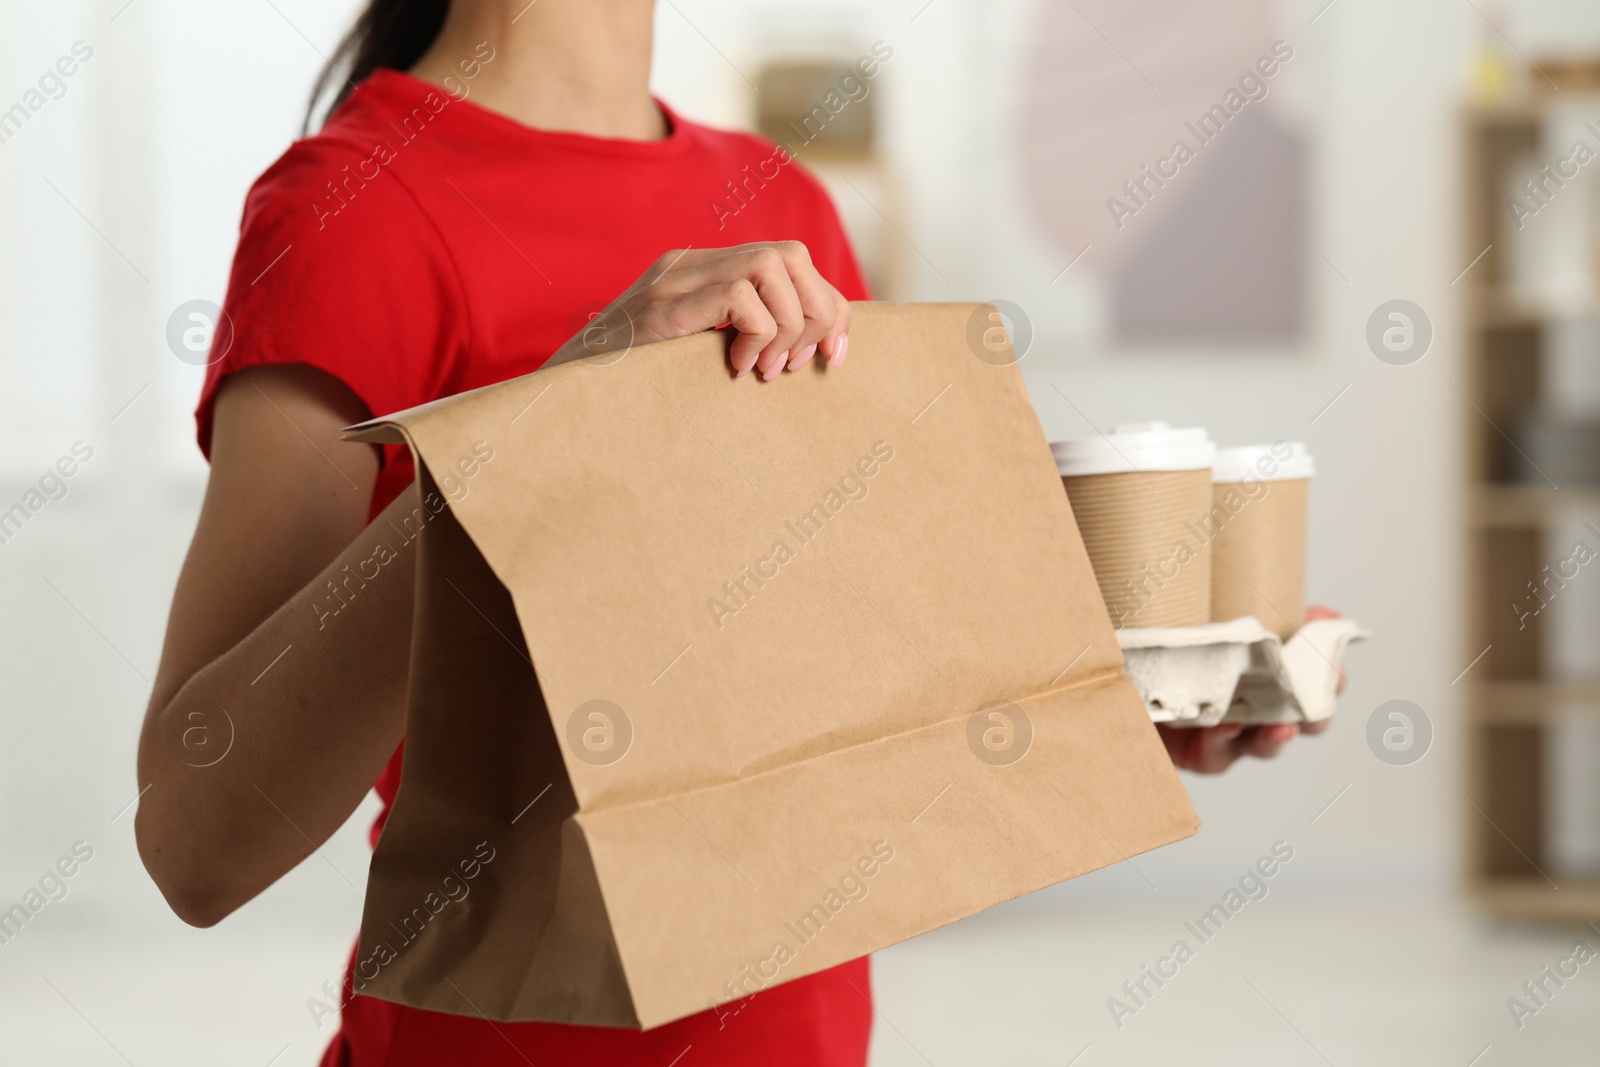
[692,655]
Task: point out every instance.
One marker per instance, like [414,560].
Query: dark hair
[389,33]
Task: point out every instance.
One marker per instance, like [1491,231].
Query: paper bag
[719,682]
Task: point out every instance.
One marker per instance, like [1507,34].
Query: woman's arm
[305,738]
[306,707]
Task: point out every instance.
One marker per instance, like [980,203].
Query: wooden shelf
[1534,899]
[1520,113]
[1533,702]
[1492,307]
[1533,506]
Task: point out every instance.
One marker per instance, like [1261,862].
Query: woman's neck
[581,66]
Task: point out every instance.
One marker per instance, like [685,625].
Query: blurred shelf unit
[1511,700]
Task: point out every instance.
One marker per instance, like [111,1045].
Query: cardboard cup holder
[1237,671]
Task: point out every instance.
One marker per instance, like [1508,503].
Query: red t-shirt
[421,245]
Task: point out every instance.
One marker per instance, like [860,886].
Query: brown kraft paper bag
[719,682]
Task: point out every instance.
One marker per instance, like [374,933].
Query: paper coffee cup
[1259,498]
[1139,494]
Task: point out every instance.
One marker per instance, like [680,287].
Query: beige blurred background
[998,131]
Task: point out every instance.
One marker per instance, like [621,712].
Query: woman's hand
[784,312]
[1212,749]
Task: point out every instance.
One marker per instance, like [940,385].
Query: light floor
[1401,979]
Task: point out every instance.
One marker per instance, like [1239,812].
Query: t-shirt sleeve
[828,241]
[339,268]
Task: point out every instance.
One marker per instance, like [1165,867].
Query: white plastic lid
[1135,446]
[1280,461]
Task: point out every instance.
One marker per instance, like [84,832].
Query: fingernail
[839,348]
[805,355]
[776,368]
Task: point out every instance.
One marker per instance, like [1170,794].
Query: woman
[493,175]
